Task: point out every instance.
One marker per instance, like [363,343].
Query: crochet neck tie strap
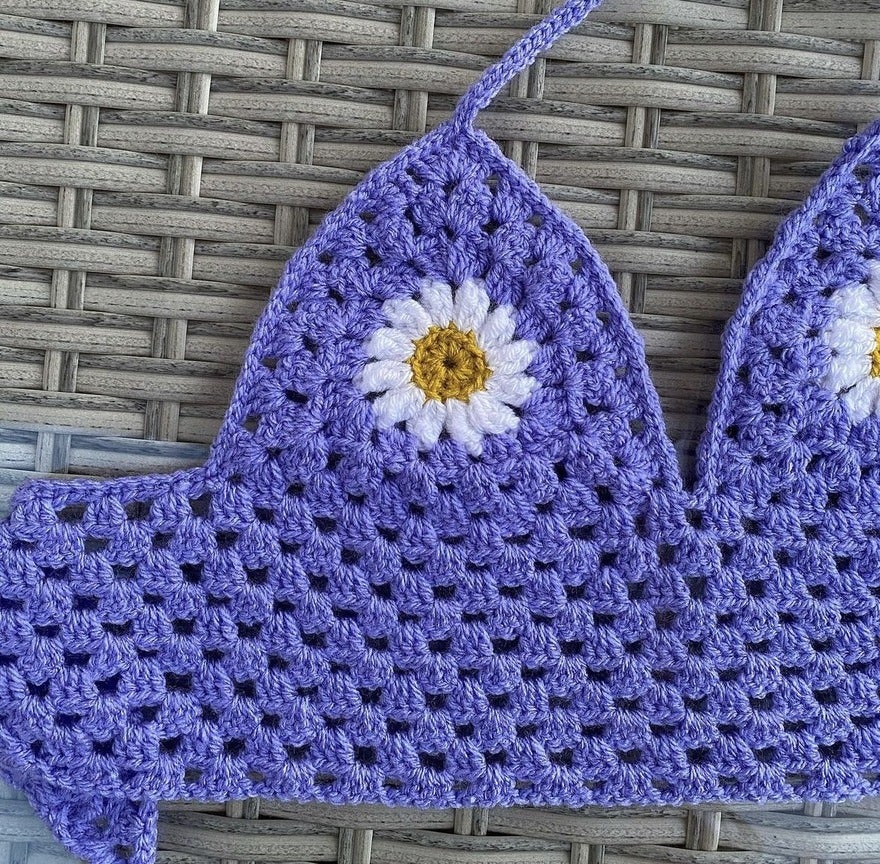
[519,57]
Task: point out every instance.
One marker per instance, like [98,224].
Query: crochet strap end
[519,57]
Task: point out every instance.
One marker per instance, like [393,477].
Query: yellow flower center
[449,364]
[875,355]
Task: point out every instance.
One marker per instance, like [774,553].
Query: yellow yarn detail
[875,355]
[447,363]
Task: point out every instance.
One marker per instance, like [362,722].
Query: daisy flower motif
[448,361]
[853,374]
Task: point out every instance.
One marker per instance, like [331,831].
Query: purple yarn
[330,610]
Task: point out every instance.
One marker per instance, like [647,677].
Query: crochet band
[441,553]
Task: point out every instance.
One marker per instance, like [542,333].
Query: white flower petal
[497,329]
[846,370]
[427,423]
[471,305]
[874,277]
[389,344]
[381,375]
[459,427]
[511,389]
[857,303]
[851,337]
[864,398]
[408,316]
[389,373]
[511,358]
[437,300]
[401,403]
[488,415]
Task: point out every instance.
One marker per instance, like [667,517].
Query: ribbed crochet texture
[332,609]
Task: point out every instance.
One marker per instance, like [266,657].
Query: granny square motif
[441,553]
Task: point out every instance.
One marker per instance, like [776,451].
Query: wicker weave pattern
[159,160]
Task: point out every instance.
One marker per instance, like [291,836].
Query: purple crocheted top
[442,554]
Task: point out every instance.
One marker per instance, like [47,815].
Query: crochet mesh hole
[365,755]
[698,755]
[271,363]
[264,515]
[226,539]
[318,582]
[562,758]
[125,571]
[148,713]
[436,701]
[698,705]
[765,754]
[103,748]
[251,422]
[433,761]
[192,573]
[201,506]
[571,647]
[756,587]
[169,746]
[827,696]
[108,686]
[257,575]
[162,540]
[192,775]
[76,658]
[93,545]
[178,682]
[123,851]
[138,511]
[72,513]
[245,689]
[183,626]
[41,691]
[635,590]
[296,397]
[297,753]
[861,214]
[81,604]
[234,747]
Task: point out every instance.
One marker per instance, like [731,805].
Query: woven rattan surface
[160,160]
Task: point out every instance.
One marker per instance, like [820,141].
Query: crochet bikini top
[441,552]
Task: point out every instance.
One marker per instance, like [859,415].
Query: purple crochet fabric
[499,592]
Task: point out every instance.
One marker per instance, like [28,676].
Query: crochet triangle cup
[441,553]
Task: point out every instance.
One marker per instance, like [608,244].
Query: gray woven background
[160,160]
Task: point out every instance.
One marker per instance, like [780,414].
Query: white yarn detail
[388,375]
